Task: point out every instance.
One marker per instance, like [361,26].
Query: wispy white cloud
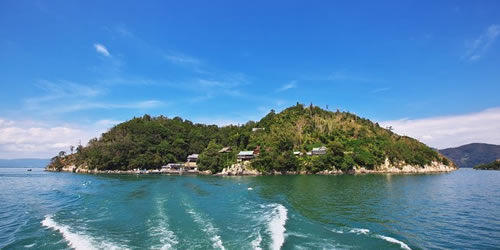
[452,131]
[381,90]
[290,85]
[107,122]
[226,84]
[182,60]
[479,46]
[89,105]
[64,91]
[344,76]
[101,49]
[65,97]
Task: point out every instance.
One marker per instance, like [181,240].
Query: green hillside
[470,155]
[150,142]
[489,166]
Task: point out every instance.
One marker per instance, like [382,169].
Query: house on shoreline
[179,168]
[190,164]
[172,168]
[245,156]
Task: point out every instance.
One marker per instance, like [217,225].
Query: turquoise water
[43,210]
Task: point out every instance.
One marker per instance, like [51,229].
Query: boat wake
[395,241]
[76,240]
[207,227]
[276,225]
[161,231]
[256,242]
[364,231]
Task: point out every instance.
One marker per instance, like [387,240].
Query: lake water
[43,210]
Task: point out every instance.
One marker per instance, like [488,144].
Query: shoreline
[360,171]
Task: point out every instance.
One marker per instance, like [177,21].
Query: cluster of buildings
[190,165]
[182,168]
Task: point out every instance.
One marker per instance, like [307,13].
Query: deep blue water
[44,210]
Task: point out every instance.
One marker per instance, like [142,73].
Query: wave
[364,231]
[75,240]
[256,242]
[276,226]
[162,231]
[359,231]
[207,227]
[392,240]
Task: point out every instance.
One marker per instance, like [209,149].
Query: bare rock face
[387,167]
[330,172]
[239,169]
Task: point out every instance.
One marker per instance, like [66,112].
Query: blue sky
[71,69]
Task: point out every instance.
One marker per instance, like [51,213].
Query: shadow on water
[195,188]
[339,200]
[137,194]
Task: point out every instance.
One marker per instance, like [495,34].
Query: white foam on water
[207,227]
[30,245]
[395,241]
[359,231]
[364,231]
[256,242]
[76,240]
[276,226]
[162,230]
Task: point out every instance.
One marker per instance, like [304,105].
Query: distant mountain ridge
[24,163]
[471,155]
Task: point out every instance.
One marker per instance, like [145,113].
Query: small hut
[245,156]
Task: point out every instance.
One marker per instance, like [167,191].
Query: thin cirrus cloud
[479,46]
[290,85]
[380,90]
[452,131]
[182,60]
[101,49]
[65,97]
[147,104]
[61,91]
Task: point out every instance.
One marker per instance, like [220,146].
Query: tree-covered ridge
[489,166]
[150,142]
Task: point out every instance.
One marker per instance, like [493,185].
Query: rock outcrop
[243,168]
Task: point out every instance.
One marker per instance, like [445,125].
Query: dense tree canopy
[489,166]
[150,142]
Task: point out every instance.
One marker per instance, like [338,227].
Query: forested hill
[470,155]
[489,166]
[150,142]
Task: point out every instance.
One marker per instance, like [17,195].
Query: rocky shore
[244,169]
[241,169]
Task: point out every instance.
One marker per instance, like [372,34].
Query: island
[489,166]
[298,140]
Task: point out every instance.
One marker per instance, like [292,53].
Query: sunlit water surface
[43,210]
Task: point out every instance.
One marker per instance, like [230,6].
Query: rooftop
[245,153]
